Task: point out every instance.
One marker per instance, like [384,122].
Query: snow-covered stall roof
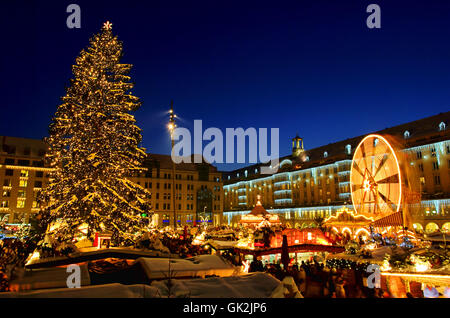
[221,245]
[255,285]
[197,266]
[55,277]
[99,291]
[93,253]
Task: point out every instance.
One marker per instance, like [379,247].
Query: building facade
[197,187]
[316,183]
[190,192]
[22,176]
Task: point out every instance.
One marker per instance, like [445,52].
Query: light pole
[171,126]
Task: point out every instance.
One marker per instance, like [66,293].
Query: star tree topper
[107,25]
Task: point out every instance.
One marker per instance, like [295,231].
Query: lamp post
[171,126]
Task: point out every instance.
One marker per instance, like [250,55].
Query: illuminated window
[433,152]
[23,183]
[446,227]
[348,149]
[5,204]
[325,154]
[6,193]
[24,173]
[406,134]
[20,204]
[431,228]
[442,126]
[418,227]
[422,181]
[21,194]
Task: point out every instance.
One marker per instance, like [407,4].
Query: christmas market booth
[301,244]
[259,217]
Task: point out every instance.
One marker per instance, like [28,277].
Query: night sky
[306,67]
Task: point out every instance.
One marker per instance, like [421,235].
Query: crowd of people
[316,280]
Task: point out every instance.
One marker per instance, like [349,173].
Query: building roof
[17,146]
[423,131]
[165,162]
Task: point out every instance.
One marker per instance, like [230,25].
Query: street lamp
[171,126]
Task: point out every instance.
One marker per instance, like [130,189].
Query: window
[21,194]
[7,183]
[9,172]
[433,152]
[348,149]
[437,180]
[24,173]
[422,181]
[435,165]
[157,206]
[421,167]
[419,154]
[23,183]
[9,161]
[38,184]
[5,204]
[406,134]
[23,162]
[39,174]
[6,193]
[39,163]
[325,154]
[20,204]
[442,126]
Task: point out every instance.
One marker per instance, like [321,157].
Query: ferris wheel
[375,178]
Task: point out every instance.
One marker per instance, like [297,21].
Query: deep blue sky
[311,67]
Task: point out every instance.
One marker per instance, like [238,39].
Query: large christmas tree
[94,149]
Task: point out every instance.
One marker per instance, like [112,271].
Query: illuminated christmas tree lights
[94,149]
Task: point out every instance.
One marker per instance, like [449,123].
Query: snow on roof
[198,266]
[54,277]
[98,291]
[255,285]
[218,244]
